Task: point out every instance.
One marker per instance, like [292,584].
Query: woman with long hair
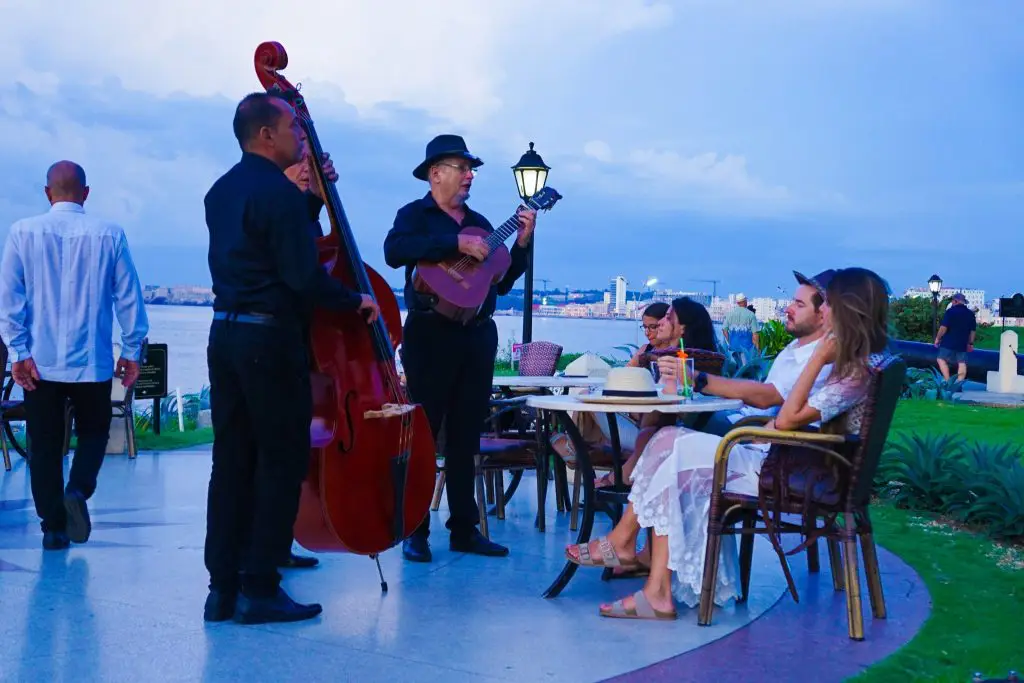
[671,490]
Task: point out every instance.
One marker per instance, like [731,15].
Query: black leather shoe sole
[219,607]
[79,525]
[56,540]
[480,546]
[417,551]
[299,562]
[273,611]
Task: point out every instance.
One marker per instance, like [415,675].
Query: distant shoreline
[508,313]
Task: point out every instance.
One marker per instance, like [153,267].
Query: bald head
[65,182]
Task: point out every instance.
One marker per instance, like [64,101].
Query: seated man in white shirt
[803,321]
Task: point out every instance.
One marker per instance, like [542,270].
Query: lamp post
[935,286]
[531,174]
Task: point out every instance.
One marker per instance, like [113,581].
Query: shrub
[979,484]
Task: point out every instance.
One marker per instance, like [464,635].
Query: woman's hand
[825,351]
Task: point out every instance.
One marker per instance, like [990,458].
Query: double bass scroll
[372,462]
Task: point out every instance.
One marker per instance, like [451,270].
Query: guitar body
[462,283]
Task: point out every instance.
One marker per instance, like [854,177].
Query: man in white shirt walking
[62,277]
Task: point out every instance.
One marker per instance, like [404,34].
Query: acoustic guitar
[461,283]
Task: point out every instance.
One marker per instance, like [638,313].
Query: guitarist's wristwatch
[700,381]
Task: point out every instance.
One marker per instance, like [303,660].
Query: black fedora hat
[819,281]
[445,146]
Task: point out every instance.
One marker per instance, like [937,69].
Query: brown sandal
[608,558]
[642,610]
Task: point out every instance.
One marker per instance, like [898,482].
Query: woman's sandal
[642,610]
[608,558]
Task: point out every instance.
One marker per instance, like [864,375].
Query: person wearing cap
[449,365]
[740,328]
[955,338]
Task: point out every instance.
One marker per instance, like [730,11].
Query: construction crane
[714,285]
[545,282]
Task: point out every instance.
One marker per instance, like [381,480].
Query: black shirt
[424,232]
[262,256]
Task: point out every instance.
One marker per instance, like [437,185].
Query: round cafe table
[509,385]
[611,499]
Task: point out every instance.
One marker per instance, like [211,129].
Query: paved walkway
[127,606]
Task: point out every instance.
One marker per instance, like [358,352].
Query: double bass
[372,457]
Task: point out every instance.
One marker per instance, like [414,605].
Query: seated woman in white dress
[671,484]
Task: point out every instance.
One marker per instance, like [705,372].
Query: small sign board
[517,351]
[152,381]
[1012,306]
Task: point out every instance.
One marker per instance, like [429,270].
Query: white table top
[545,382]
[698,404]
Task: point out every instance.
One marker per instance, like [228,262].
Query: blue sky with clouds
[691,139]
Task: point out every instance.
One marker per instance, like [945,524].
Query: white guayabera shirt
[62,277]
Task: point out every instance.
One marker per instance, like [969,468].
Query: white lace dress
[671,489]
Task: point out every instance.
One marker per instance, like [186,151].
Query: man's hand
[328,166]
[474,246]
[368,307]
[527,222]
[128,371]
[25,373]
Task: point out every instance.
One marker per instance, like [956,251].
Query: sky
[691,140]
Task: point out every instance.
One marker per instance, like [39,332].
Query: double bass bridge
[389,410]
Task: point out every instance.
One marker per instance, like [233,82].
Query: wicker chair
[847,465]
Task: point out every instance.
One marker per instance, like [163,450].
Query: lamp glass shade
[935,284]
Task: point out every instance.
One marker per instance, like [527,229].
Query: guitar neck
[506,229]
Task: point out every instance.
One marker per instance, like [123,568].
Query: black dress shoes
[416,548]
[476,543]
[281,607]
[299,562]
[79,525]
[219,606]
[55,540]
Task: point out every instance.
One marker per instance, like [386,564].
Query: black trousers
[449,369]
[44,418]
[261,406]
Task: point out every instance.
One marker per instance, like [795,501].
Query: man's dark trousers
[44,413]
[261,407]
[449,368]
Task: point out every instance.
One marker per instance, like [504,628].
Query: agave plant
[1000,502]
[913,469]
[929,383]
[755,366]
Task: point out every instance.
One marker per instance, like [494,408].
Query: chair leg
[854,610]
[574,517]
[813,560]
[438,490]
[746,557]
[710,579]
[835,563]
[489,485]
[7,453]
[499,493]
[129,431]
[481,500]
[874,577]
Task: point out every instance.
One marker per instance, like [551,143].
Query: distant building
[617,291]
[975,297]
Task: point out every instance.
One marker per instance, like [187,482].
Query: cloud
[450,59]
[598,149]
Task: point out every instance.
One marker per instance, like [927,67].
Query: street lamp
[935,286]
[531,174]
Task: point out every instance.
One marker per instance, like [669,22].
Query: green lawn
[148,441]
[976,586]
[977,592]
[988,337]
[976,423]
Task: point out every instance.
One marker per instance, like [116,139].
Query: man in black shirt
[266,281]
[450,366]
